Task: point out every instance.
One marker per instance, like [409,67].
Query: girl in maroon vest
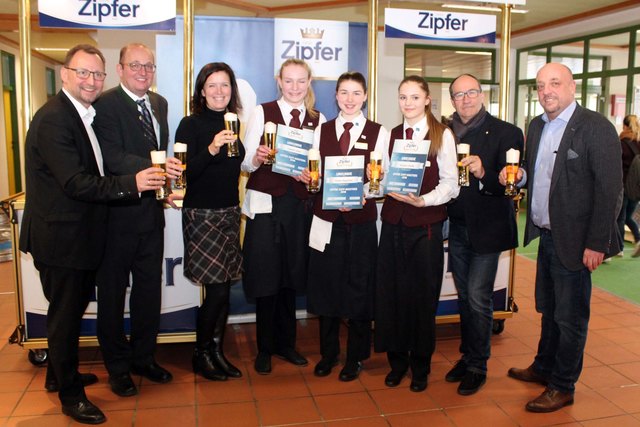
[278,215]
[343,255]
[411,254]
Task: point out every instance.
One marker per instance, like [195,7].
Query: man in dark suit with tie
[64,225]
[574,180]
[482,226]
[131,122]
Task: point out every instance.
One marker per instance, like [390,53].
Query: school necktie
[409,133]
[147,124]
[295,118]
[345,138]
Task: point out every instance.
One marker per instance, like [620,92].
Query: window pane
[638,48]
[448,63]
[531,62]
[569,54]
[609,53]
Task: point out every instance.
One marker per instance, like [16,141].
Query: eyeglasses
[136,66]
[84,74]
[471,94]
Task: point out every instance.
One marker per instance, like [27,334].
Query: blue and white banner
[159,15]
[324,45]
[446,26]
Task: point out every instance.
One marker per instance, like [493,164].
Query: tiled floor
[608,392]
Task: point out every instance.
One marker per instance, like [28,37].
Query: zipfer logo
[110,8]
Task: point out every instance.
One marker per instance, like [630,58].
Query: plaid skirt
[211,244]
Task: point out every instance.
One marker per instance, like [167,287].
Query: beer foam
[513,156]
[158,157]
[179,147]
[375,155]
[314,154]
[464,148]
[270,127]
[230,117]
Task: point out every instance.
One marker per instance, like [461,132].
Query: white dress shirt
[87,115]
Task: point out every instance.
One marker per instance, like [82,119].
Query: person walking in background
[278,210]
[211,212]
[630,140]
[574,181]
[131,121]
[411,252]
[482,226]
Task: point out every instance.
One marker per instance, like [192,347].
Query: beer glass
[270,142]
[513,159]
[463,171]
[314,170]
[180,151]
[231,123]
[159,160]
[375,167]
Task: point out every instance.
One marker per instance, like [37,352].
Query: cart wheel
[38,356]
[498,326]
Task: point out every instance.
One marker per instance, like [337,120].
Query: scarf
[461,129]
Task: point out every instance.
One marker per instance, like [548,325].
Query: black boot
[203,364]
[218,341]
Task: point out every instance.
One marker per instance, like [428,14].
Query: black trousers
[276,321]
[358,339]
[138,255]
[68,292]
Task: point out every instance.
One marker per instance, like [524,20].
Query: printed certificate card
[293,148]
[408,160]
[343,187]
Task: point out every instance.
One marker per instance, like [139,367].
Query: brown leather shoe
[550,400]
[528,375]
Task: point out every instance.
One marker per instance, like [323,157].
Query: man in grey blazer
[131,122]
[574,180]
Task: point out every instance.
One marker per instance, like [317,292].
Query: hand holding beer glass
[159,160]
[375,170]
[231,123]
[463,171]
[180,151]
[513,160]
[270,142]
[314,170]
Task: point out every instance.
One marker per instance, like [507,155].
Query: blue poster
[406,169]
[343,186]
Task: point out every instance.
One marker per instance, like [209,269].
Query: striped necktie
[147,124]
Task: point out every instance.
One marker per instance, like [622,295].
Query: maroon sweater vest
[329,146]
[394,211]
[276,184]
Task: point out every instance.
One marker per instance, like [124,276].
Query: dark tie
[409,132]
[345,138]
[295,118]
[147,124]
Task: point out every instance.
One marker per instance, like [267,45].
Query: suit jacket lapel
[85,144]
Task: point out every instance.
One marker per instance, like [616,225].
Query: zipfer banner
[158,15]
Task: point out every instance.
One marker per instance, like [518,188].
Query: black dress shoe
[263,364]
[84,412]
[393,378]
[153,372]
[350,371]
[324,367]
[418,385]
[292,356]
[471,383]
[456,373]
[122,385]
[51,384]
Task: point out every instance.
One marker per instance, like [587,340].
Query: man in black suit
[574,180]
[132,121]
[482,226]
[65,217]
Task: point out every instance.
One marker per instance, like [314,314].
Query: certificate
[293,148]
[408,160]
[343,187]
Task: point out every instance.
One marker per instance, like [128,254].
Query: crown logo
[311,33]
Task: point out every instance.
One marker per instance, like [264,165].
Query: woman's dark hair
[199,102]
[436,129]
[352,75]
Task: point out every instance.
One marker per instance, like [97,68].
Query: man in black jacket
[482,226]
[65,216]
